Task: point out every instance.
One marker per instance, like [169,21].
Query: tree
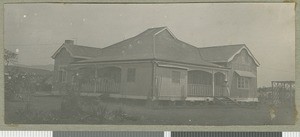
[11,77]
[9,57]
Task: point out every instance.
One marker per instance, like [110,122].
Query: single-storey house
[155,65]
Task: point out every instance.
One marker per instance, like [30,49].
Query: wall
[63,58]
[142,86]
[242,61]
[167,90]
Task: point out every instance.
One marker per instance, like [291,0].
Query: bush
[100,112]
[28,115]
[9,96]
[94,113]
[70,105]
[118,114]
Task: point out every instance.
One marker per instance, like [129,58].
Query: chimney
[69,42]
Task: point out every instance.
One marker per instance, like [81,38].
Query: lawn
[139,114]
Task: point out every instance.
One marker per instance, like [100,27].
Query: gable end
[249,53]
[165,29]
[58,51]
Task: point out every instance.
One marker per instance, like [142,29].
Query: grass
[136,113]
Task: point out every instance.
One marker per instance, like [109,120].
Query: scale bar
[226,134]
[290,134]
[106,134]
[26,134]
[143,134]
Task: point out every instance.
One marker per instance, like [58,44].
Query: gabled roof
[78,51]
[224,53]
[155,43]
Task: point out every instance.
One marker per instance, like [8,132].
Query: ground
[46,108]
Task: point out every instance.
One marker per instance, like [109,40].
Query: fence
[196,90]
[101,86]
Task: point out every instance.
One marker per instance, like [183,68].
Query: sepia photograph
[204,64]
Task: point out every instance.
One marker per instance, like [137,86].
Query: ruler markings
[226,134]
[106,134]
[143,134]
[290,134]
[25,133]
[167,133]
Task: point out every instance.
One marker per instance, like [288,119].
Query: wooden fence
[197,90]
[202,90]
[221,91]
[101,86]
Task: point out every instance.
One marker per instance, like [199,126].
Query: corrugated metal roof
[224,53]
[155,43]
[219,53]
[83,51]
[78,51]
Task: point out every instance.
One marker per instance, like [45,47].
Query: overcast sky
[38,30]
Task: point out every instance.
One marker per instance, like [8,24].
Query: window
[62,76]
[175,77]
[243,82]
[131,75]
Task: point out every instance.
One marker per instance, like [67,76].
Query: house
[155,65]
[66,54]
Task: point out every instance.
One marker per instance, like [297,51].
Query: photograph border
[82,127]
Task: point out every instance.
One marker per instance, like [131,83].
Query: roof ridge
[130,38]
[222,46]
[83,46]
[127,39]
[112,45]
[162,27]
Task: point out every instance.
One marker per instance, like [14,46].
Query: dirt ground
[216,115]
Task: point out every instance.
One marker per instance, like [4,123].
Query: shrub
[94,113]
[30,116]
[70,105]
[100,112]
[118,114]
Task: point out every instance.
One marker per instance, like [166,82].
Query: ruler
[143,134]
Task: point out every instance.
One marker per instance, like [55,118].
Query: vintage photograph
[212,64]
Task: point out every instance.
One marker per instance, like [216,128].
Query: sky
[36,31]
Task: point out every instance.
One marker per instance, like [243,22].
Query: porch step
[225,101]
